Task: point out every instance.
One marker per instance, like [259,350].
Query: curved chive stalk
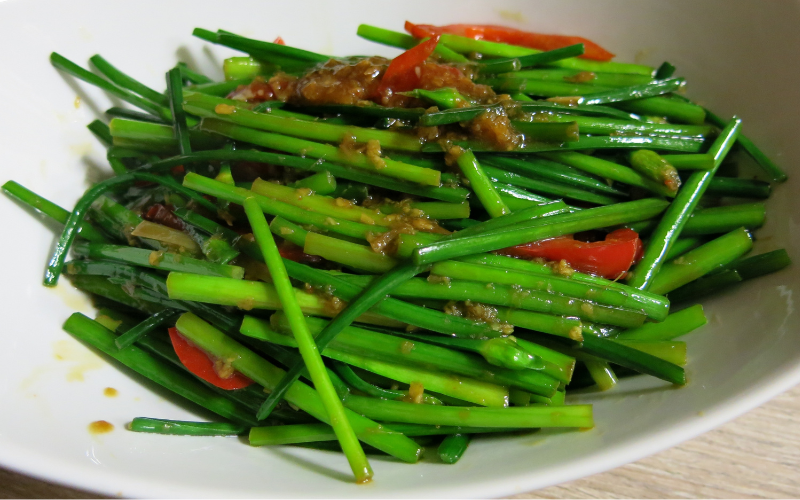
[701,261]
[293,145]
[481,185]
[393,349]
[650,164]
[301,395]
[654,306]
[46,207]
[521,417]
[71,225]
[148,325]
[549,170]
[224,109]
[308,349]
[557,225]
[549,188]
[453,447]
[157,260]
[166,375]
[175,92]
[126,82]
[674,219]
[64,64]
[183,428]
[362,300]
[349,376]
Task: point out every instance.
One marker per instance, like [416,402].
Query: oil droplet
[110,392]
[83,359]
[100,427]
[81,149]
[512,15]
[72,297]
[77,102]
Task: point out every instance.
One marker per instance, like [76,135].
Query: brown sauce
[357,82]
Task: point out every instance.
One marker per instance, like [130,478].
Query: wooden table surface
[755,456]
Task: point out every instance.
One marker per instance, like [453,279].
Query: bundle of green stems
[357,278]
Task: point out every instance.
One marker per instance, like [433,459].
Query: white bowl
[739,57]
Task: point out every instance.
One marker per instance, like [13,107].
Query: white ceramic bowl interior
[738,56]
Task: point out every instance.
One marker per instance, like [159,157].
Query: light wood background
[755,456]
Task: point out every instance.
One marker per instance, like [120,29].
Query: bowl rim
[83,477]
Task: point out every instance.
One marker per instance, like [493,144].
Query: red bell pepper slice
[610,259]
[405,70]
[201,364]
[511,36]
